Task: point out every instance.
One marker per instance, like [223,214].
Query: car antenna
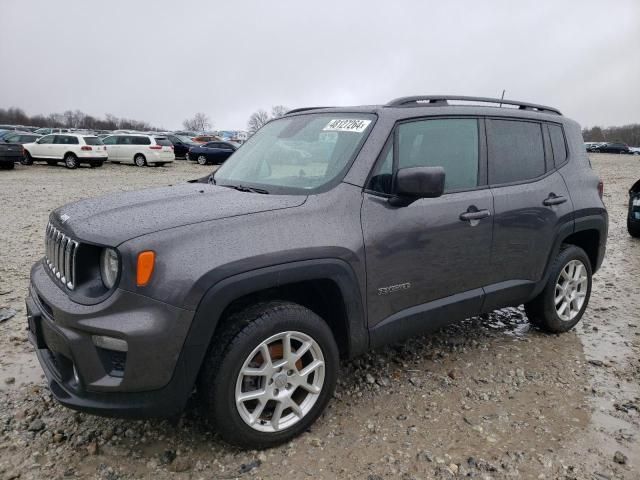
[502,97]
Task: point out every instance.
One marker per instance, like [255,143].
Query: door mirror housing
[414,183]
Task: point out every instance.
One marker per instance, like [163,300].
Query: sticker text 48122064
[347,125]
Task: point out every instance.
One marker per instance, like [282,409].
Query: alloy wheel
[202,160]
[280,381]
[571,290]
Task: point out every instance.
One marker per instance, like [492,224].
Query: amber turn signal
[146,262]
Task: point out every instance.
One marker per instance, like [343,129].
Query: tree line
[71,119]
[629,134]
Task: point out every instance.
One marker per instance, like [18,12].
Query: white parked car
[139,149]
[634,150]
[71,148]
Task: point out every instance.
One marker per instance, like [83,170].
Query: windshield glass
[298,154]
[92,141]
[184,139]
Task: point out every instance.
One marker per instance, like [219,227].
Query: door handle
[474,215]
[553,199]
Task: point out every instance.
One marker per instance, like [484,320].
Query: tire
[140,161]
[27,159]
[71,161]
[633,228]
[549,315]
[259,330]
[202,160]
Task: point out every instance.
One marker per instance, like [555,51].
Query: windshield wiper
[243,188]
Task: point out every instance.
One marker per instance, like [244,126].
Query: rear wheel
[633,228]
[565,297]
[139,160]
[71,161]
[202,160]
[27,159]
[270,374]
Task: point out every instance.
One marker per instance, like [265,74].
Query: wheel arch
[329,287]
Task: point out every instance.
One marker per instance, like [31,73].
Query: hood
[115,218]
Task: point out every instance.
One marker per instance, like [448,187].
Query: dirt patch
[490,397]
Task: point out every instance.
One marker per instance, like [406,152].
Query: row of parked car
[74,149]
[611,147]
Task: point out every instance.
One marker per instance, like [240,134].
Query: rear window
[516,151]
[164,141]
[92,141]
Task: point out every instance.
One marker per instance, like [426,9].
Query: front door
[433,249]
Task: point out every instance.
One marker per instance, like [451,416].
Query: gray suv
[332,231]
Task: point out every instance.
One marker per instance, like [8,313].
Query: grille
[60,256]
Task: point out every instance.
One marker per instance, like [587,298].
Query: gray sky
[162,61]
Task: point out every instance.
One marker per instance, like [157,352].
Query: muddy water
[490,397]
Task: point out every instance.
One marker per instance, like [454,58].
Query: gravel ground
[490,397]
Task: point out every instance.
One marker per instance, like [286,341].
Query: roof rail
[303,109]
[443,100]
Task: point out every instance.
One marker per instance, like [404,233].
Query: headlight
[109,267]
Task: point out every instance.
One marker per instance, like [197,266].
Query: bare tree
[278,111]
[199,123]
[257,120]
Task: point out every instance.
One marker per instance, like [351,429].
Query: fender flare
[220,295]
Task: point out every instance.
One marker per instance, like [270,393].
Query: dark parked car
[181,144]
[212,152]
[20,137]
[9,154]
[633,219]
[612,148]
[249,284]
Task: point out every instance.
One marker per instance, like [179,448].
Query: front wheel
[27,159]
[270,375]
[71,161]
[202,160]
[560,306]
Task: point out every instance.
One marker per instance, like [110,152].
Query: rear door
[429,250]
[531,204]
[126,148]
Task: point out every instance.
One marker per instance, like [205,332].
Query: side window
[109,140]
[448,143]
[124,140]
[141,141]
[557,144]
[46,140]
[516,151]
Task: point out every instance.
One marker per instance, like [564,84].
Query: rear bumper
[149,381]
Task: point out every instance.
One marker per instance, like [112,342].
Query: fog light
[110,343]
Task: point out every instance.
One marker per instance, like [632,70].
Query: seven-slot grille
[60,256]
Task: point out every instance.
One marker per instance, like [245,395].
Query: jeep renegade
[332,231]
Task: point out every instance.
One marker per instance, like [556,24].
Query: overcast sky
[162,61]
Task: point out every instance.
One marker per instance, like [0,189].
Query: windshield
[300,154]
[92,141]
[184,139]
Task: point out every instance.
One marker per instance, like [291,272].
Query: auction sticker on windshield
[347,125]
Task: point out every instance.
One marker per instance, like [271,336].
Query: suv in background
[139,149]
[71,148]
[49,131]
[181,145]
[251,283]
[20,138]
[633,218]
[609,147]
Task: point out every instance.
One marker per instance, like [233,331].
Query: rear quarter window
[141,141]
[163,141]
[558,144]
[516,151]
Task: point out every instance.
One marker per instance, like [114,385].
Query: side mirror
[414,183]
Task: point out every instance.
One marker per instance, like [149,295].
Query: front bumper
[151,380]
